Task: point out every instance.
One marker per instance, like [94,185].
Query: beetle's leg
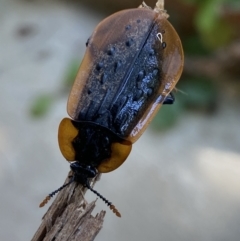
[88,41]
[169,100]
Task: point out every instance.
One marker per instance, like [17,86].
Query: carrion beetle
[133,60]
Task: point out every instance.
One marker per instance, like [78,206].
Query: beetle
[132,62]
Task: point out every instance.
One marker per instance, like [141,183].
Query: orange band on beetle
[66,133]
[119,154]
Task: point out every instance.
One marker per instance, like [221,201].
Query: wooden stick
[69,217]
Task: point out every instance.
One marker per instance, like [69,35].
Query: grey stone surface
[183,184]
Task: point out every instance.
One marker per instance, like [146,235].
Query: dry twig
[69,217]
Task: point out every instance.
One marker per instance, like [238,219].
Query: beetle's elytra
[133,60]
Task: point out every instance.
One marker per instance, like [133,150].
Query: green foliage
[194,46]
[199,93]
[213,30]
[167,116]
[192,94]
[71,73]
[43,103]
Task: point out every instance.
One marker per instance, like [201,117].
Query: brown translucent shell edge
[172,67]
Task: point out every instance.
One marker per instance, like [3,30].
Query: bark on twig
[69,217]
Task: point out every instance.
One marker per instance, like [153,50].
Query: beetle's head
[82,173]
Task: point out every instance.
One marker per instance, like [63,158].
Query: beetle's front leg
[169,100]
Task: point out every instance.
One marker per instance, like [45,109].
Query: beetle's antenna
[111,206]
[49,196]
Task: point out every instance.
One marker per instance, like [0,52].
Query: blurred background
[182,179]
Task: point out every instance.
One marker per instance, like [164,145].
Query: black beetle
[133,60]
